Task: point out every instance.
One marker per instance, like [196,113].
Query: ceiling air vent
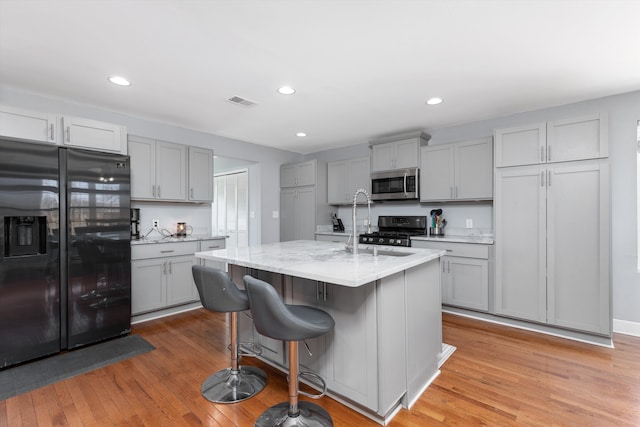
[238,100]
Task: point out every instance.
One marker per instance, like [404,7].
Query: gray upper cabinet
[458,171]
[345,177]
[158,170]
[94,135]
[29,125]
[200,175]
[563,140]
[298,174]
[397,152]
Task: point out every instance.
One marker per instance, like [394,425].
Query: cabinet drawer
[467,250]
[157,250]
[211,245]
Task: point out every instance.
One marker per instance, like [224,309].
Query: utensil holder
[436,231]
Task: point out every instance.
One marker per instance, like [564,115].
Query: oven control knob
[380,240]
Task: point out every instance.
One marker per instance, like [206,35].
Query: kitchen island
[387,341]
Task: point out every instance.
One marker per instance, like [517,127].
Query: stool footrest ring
[316,380]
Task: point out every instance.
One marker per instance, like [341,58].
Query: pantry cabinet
[161,275]
[297,213]
[397,152]
[562,140]
[28,125]
[552,244]
[345,177]
[200,175]
[458,171]
[158,170]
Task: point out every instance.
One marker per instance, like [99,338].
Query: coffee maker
[135,224]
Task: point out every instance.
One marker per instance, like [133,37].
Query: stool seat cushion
[217,291]
[275,319]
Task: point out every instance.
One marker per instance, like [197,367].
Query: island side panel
[392,342]
[424,327]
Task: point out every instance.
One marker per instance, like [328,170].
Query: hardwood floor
[498,376]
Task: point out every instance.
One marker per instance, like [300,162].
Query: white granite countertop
[324,261]
[173,239]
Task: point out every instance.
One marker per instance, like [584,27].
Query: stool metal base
[310,415]
[229,386]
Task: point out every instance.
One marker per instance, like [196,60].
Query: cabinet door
[287,176]
[171,171]
[467,284]
[305,213]
[24,124]
[520,218]
[474,170]
[200,174]
[272,349]
[306,173]
[92,134]
[143,168]
[437,173]
[355,333]
[336,182]
[358,176]
[406,153]
[578,246]
[383,157]
[522,145]
[180,285]
[288,218]
[577,138]
[148,285]
[212,245]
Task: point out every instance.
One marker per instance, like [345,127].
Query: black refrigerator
[65,257]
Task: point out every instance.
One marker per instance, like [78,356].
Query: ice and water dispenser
[25,235]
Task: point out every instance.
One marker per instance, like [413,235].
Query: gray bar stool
[218,293]
[293,323]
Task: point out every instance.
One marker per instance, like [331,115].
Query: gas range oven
[396,230]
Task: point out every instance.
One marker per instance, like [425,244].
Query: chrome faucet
[355,228]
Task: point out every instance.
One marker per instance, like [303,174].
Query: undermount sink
[380,252]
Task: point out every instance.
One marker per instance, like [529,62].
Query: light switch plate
[469,223]
[276,214]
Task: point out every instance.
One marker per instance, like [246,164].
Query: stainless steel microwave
[401,184]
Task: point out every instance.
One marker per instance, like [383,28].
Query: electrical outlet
[155,223]
[469,223]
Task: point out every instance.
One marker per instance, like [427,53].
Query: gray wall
[264,176]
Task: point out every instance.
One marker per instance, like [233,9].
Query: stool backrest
[217,291]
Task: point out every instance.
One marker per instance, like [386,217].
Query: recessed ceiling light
[286,90]
[434,101]
[301,134]
[120,81]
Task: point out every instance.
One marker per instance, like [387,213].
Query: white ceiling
[362,69]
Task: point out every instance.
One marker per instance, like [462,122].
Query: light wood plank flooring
[498,376]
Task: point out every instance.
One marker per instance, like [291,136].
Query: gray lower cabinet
[337,238]
[464,273]
[212,245]
[161,275]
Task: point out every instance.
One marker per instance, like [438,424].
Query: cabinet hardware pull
[169,267]
[549,178]
[167,251]
[153,190]
[164,268]
[549,153]
[51,130]
[541,178]
[324,285]
[448,267]
[212,247]
[68,134]
[158,191]
[449,250]
[542,154]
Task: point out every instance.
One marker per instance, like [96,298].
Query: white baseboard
[626,327]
